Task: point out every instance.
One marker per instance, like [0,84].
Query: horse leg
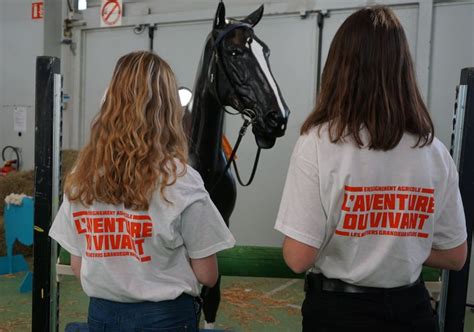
[211,299]
[224,197]
[224,201]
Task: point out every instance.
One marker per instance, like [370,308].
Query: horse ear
[219,19]
[255,17]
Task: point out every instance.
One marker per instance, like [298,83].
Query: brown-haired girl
[141,229]
[371,194]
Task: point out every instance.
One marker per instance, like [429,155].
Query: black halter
[247,114]
[217,64]
[229,29]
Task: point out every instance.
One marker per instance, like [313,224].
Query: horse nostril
[272,120]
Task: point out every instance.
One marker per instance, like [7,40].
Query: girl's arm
[450,259]
[298,256]
[205,270]
[76,263]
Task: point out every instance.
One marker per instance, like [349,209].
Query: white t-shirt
[374,215]
[132,256]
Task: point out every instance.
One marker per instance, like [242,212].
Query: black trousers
[402,310]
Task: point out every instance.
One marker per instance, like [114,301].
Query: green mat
[255,261]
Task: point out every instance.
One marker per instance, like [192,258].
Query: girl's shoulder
[310,140]
[439,151]
[188,180]
[436,148]
[186,188]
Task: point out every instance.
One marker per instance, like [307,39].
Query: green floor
[248,304]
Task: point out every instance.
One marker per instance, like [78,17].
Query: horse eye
[236,52]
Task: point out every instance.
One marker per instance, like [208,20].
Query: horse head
[242,79]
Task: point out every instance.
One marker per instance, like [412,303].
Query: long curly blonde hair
[137,140]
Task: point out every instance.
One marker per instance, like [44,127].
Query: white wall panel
[20,42]
[452,49]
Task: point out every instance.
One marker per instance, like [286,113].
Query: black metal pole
[458,281]
[151,35]
[321,17]
[44,295]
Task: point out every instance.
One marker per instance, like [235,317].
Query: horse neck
[207,127]
[207,122]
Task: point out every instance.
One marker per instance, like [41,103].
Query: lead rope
[231,160]
[254,170]
[242,133]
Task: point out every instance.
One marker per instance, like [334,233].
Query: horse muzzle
[271,124]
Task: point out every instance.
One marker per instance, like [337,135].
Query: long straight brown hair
[369,81]
[136,139]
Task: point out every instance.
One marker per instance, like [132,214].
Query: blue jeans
[180,314]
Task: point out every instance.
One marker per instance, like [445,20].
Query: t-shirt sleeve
[450,223]
[301,215]
[63,230]
[203,229]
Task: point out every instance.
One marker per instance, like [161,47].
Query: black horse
[233,71]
